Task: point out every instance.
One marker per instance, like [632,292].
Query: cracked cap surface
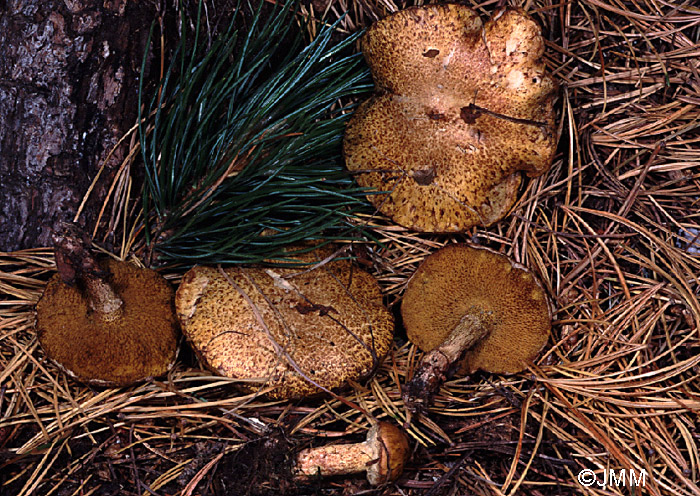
[460,109]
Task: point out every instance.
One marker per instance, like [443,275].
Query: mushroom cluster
[471,309]
[460,109]
[300,331]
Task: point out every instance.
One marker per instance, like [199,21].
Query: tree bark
[68,91]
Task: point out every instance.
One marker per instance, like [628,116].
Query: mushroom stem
[434,367]
[334,459]
[101,296]
[75,261]
[383,455]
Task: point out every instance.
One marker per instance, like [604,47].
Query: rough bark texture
[68,89]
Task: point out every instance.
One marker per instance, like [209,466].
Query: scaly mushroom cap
[138,341]
[460,108]
[330,321]
[458,279]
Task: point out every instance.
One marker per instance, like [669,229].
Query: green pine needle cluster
[242,143]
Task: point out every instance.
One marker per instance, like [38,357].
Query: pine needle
[243,150]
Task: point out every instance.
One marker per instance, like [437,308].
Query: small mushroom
[383,455]
[106,322]
[474,309]
[300,330]
[460,110]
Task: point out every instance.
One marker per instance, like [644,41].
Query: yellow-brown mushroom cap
[139,342]
[460,109]
[392,453]
[330,321]
[458,279]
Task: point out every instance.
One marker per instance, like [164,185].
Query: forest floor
[611,231]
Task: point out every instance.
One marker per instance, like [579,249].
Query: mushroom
[383,455]
[300,331]
[460,109]
[105,322]
[474,309]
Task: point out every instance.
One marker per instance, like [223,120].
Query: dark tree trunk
[68,92]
